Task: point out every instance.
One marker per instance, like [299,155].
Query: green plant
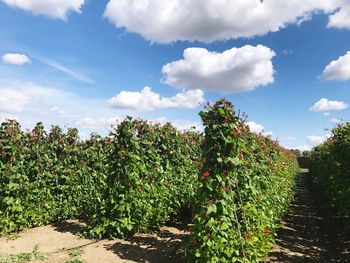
[330,169]
[23,257]
[74,255]
[246,184]
[151,175]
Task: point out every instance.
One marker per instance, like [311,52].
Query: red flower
[208,103]
[206,174]
[266,231]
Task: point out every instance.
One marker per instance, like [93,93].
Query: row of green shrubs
[330,168]
[137,177]
[237,183]
[246,185]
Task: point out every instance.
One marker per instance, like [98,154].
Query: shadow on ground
[159,247]
[311,233]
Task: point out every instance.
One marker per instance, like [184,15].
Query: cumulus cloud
[316,140]
[20,100]
[341,18]
[338,69]
[234,70]
[207,20]
[15,59]
[328,105]
[258,128]
[52,8]
[147,100]
[255,127]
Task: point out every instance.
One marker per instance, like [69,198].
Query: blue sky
[86,63]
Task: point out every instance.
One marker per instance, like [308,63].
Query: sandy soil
[57,240]
[311,232]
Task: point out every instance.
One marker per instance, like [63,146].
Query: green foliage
[246,184]
[330,167]
[134,179]
[23,257]
[142,174]
[152,174]
[47,177]
[74,255]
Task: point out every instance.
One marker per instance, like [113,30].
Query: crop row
[238,184]
[330,167]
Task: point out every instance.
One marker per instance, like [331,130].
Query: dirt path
[58,243]
[310,233]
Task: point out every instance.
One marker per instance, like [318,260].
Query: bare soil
[311,232]
[56,241]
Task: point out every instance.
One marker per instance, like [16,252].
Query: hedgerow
[330,168]
[246,184]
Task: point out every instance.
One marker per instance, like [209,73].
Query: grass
[74,255]
[23,257]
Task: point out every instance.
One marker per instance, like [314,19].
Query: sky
[90,63]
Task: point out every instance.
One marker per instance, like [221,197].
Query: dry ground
[58,240]
[311,234]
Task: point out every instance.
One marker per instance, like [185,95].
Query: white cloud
[89,122]
[341,18]
[30,103]
[302,148]
[258,128]
[56,110]
[30,97]
[255,127]
[147,100]
[291,138]
[14,101]
[208,20]
[316,140]
[181,124]
[15,59]
[338,69]
[326,114]
[336,120]
[327,105]
[50,8]
[70,72]
[234,70]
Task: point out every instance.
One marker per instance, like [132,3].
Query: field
[229,187]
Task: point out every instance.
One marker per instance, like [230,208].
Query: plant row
[237,183]
[246,185]
[330,168]
[137,177]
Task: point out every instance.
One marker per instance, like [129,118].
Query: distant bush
[246,185]
[330,167]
